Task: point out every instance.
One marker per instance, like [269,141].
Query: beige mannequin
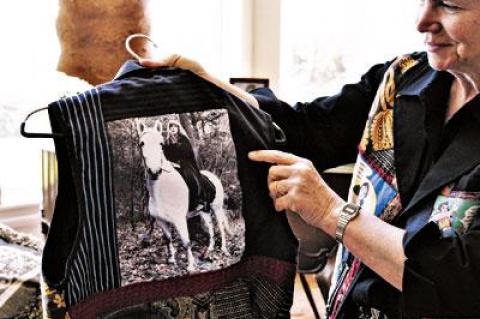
[92,35]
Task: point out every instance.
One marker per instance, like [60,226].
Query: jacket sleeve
[328,129]
[442,275]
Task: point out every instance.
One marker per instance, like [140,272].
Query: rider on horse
[178,150]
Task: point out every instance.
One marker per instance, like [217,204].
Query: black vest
[160,214]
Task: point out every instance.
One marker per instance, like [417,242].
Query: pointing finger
[273,157]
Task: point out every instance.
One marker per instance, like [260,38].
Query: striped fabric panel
[95,267]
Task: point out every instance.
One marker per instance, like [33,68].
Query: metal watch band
[349,211]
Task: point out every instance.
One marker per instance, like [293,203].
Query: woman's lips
[435,46]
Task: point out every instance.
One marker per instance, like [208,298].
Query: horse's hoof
[206,255]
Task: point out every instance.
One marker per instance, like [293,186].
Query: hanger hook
[137,35]
[36,135]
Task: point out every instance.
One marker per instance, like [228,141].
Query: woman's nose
[427,20]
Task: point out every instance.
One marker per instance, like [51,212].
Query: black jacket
[434,163]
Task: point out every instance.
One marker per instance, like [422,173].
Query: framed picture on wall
[249,84]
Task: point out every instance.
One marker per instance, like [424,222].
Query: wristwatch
[347,214]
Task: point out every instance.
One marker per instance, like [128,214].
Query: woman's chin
[438,63]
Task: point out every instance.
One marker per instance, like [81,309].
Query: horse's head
[151,143]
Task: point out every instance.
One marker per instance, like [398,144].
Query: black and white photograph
[177,195]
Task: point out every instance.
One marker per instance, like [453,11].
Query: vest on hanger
[160,214]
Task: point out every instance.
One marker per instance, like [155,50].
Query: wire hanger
[26,134]
[133,36]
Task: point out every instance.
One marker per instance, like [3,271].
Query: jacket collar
[128,67]
[462,155]
[410,112]
[421,82]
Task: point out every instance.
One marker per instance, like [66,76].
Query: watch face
[350,209]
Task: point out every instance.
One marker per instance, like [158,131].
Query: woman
[178,149]
[420,147]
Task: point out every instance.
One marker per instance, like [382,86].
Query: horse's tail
[219,193]
[217,203]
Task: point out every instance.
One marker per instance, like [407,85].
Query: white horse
[169,195]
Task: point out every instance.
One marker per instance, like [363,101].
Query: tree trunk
[92,34]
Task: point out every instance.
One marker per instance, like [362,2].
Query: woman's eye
[448,5]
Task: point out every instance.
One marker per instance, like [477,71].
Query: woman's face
[174,129]
[452,33]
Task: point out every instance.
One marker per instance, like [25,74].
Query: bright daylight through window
[325,44]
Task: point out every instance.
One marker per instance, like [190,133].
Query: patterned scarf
[374,184]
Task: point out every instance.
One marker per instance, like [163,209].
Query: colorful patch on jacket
[454,211]
[54,303]
[178,199]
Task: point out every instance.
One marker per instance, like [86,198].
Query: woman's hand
[176,60]
[296,185]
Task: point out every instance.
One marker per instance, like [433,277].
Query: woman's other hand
[176,60]
[296,185]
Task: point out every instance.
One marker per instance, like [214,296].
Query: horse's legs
[207,219]
[223,226]
[171,250]
[182,229]
[152,224]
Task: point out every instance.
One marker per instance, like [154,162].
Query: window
[325,44]
[29,49]
[217,33]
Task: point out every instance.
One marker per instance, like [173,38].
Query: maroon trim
[281,272]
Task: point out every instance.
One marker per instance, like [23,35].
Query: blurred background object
[19,275]
[92,35]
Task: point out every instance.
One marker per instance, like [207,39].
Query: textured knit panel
[254,288]
[151,208]
[94,265]
[244,298]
